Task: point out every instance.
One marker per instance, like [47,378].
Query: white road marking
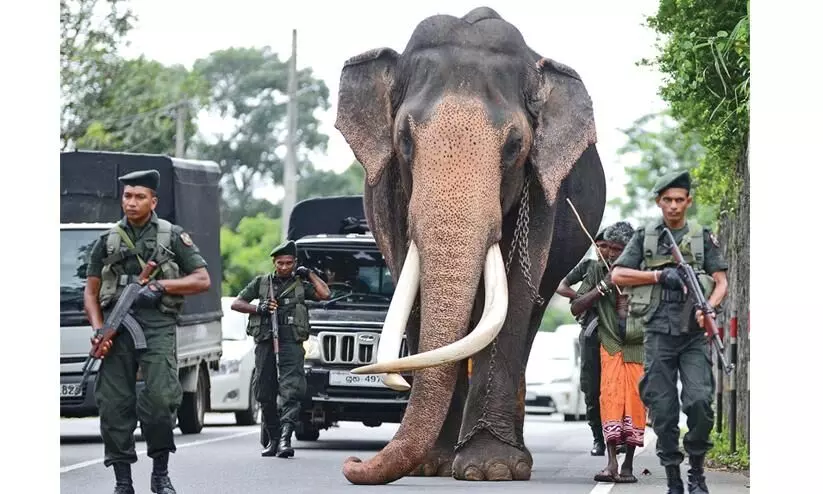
[76,466]
[606,488]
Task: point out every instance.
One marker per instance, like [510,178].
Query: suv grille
[353,348]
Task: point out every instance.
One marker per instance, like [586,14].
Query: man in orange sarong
[622,412]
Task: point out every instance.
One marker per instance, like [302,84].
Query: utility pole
[290,168]
[180,139]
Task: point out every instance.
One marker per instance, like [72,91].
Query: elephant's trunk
[455,219]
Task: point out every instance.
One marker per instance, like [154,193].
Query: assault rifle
[120,317]
[275,328]
[688,275]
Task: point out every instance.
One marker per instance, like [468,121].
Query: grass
[720,457]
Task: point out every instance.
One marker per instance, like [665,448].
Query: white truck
[90,205]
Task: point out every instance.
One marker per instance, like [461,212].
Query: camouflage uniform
[673,342]
[280,397]
[155,407]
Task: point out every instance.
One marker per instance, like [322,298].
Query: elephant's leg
[439,461]
[491,441]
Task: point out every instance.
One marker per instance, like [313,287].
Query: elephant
[471,144]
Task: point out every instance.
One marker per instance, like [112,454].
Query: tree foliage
[321,183]
[137,110]
[90,35]
[705,58]
[656,145]
[249,86]
[245,251]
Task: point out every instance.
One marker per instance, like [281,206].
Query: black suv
[333,240]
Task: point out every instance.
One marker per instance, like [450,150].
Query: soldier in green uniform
[281,294]
[589,344]
[674,342]
[115,260]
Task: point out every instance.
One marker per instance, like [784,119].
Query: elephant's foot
[485,457]
[438,463]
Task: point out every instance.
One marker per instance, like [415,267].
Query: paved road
[224,458]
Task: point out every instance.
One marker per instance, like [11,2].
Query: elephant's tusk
[397,316]
[494,315]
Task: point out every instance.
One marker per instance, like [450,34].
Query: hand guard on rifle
[150,294]
[302,271]
[670,278]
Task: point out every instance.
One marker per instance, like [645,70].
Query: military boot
[271,447]
[284,448]
[674,481]
[697,481]
[122,476]
[160,482]
[599,444]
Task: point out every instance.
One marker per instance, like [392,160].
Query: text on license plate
[70,390]
[346,378]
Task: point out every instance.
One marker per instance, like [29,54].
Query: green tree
[136,110]
[245,251]
[704,55]
[90,35]
[322,183]
[656,145]
[248,86]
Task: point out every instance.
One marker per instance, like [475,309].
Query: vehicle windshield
[355,276]
[75,247]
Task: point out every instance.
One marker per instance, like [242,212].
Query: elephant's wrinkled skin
[448,132]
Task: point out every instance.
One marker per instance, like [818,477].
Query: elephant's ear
[364,108]
[564,124]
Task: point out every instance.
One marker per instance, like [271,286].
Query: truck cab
[333,240]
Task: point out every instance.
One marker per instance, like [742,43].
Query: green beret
[674,180]
[141,178]
[287,248]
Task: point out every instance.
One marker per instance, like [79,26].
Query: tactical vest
[291,310]
[114,277]
[645,299]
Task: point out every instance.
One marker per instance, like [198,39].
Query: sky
[601,39]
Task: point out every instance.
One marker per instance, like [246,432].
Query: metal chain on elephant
[520,242]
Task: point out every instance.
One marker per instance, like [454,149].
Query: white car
[231,385]
[553,374]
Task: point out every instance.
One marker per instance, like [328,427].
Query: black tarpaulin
[188,195]
[329,215]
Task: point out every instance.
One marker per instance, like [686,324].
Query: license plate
[346,378]
[70,390]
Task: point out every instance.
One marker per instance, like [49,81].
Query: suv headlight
[312,348]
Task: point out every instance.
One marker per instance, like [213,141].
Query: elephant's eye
[511,150]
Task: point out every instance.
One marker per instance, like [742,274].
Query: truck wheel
[192,413]
[249,416]
[307,432]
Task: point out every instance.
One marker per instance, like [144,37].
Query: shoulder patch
[714,240]
[186,239]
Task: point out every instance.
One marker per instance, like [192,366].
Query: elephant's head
[447,132]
